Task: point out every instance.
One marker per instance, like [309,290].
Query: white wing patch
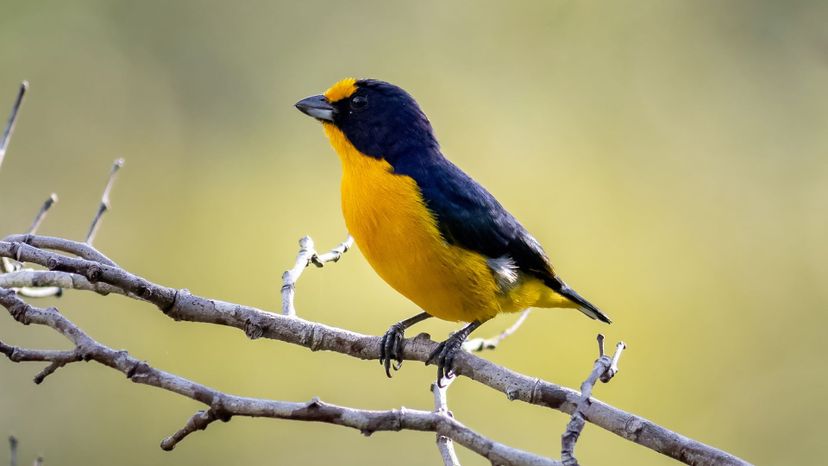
[505,271]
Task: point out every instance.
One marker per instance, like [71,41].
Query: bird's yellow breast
[399,237]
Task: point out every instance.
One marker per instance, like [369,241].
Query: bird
[427,228]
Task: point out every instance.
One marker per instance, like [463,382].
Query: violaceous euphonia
[426,227]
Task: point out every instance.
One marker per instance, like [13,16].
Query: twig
[12,266]
[42,213]
[604,369]
[480,344]
[8,265]
[289,277]
[613,368]
[307,255]
[223,406]
[444,444]
[12,450]
[80,249]
[181,305]
[334,254]
[7,133]
[104,206]
[16,354]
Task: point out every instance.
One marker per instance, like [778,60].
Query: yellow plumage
[341,90]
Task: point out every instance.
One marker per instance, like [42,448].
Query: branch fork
[307,255]
[604,370]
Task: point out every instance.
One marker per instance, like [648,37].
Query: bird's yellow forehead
[341,90]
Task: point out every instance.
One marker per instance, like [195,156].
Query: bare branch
[223,406]
[604,369]
[42,213]
[181,305]
[198,421]
[13,269]
[7,133]
[480,344]
[16,354]
[57,358]
[9,265]
[289,278]
[39,292]
[104,206]
[307,255]
[444,444]
[39,279]
[366,421]
[334,254]
[82,250]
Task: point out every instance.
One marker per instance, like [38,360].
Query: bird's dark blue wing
[470,217]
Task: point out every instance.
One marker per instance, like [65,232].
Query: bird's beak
[316,106]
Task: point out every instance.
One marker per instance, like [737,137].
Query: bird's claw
[391,348]
[444,356]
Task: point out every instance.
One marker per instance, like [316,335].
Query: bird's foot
[391,348]
[444,356]
[391,343]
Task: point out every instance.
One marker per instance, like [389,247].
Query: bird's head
[378,118]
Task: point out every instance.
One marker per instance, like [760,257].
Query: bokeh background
[671,156]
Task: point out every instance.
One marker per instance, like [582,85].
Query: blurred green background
[671,156]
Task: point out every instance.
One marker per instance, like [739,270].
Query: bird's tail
[582,304]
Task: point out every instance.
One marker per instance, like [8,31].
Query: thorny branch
[85,268]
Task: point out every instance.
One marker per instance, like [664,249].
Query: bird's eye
[359,102]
